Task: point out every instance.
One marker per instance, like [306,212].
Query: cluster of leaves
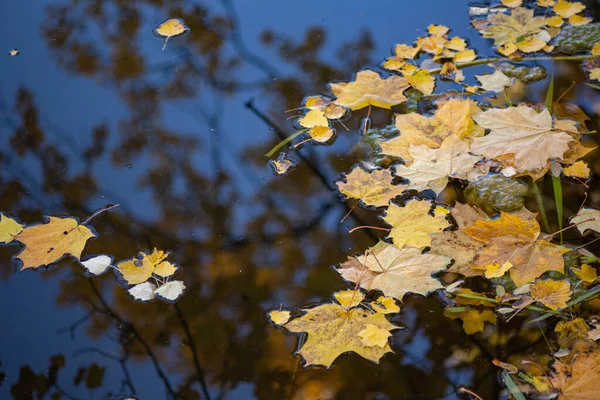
[47,243]
[468,143]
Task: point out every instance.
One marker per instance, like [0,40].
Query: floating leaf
[412,225]
[171,28]
[395,271]
[349,298]
[280,317]
[508,28]
[9,228]
[373,189]
[283,165]
[49,242]
[14,52]
[369,89]
[578,170]
[170,291]
[587,218]
[578,380]
[567,9]
[333,330]
[138,270]
[143,291]
[385,305]
[97,265]
[553,294]
[495,82]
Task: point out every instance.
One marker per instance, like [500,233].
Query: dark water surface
[92,112]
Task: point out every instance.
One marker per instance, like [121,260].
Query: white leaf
[170,291]
[97,265]
[495,82]
[143,291]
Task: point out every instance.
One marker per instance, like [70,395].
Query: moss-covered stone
[496,192]
[577,39]
[523,73]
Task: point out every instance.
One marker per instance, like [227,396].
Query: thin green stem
[475,297]
[550,94]
[285,141]
[558,200]
[538,198]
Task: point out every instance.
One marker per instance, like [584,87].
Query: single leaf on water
[412,224]
[370,89]
[567,9]
[49,242]
[171,28]
[553,294]
[280,317]
[97,265]
[143,291]
[170,291]
[9,228]
[373,189]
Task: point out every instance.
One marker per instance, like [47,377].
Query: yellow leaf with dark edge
[578,170]
[321,134]
[453,117]
[373,336]
[171,27]
[553,294]
[9,228]
[574,335]
[329,109]
[587,218]
[456,44]
[578,380]
[349,298]
[373,189]
[531,44]
[395,271]
[314,117]
[333,330]
[138,270]
[49,242]
[473,320]
[508,28]
[279,317]
[567,9]
[394,63]
[412,225]
[369,89]
[586,273]
[507,49]
[385,305]
[511,238]
[431,168]
[522,132]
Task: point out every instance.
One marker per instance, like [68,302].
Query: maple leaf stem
[94,215]
[350,212]
[571,226]
[465,390]
[368,226]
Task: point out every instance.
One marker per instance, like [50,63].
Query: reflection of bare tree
[217,336]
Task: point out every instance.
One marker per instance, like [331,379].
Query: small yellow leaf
[595,74]
[373,188]
[496,270]
[596,50]
[14,52]
[321,134]
[555,21]
[314,117]
[385,305]
[279,317]
[394,63]
[138,270]
[545,3]
[578,170]
[512,3]
[47,243]
[420,79]
[456,44]
[507,49]
[349,298]
[553,294]
[437,30]
[531,44]
[567,9]
[578,20]
[586,273]
[464,56]
[472,89]
[406,52]
[374,336]
[369,89]
[171,28]
[165,269]
[9,228]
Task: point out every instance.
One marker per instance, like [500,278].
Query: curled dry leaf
[49,242]
[368,89]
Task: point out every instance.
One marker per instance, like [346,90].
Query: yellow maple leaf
[523,133]
[139,270]
[596,50]
[395,271]
[171,28]
[420,79]
[431,168]
[579,379]
[373,336]
[454,117]
[508,28]
[49,242]
[553,294]
[412,225]
[578,170]
[314,117]
[279,317]
[385,305]
[437,30]
[333,330]
[9,228]
[567,9]
[349,298]
[595,74]
[511,238]
[374,189]
[369,89]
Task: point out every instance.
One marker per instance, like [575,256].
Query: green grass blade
[558,200]
[512,386]
[285,141]
[592,85]
[550,94]
[538,198]
[475,297]
[584,296]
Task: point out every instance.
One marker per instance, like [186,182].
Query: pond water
[94,113]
